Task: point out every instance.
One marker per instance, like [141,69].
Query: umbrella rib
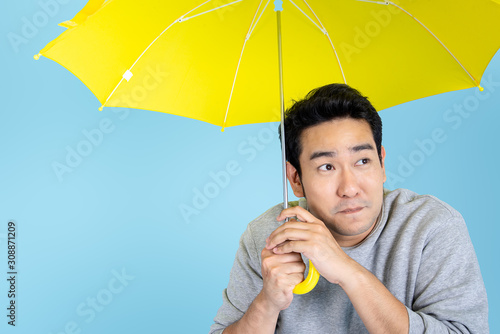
[323,29]
[320,28]
[128,74]
[250,30]
[252,25]
[437,39]
[379,2]
[171,24]
[109,96]
[208,11]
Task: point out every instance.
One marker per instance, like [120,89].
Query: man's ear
[294,179]
[382,162]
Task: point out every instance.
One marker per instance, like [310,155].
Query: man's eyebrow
[319,154]
[331,154]
[361,147]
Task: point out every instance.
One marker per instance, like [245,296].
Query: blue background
[118,212]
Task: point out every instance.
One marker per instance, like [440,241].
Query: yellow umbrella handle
[309,283]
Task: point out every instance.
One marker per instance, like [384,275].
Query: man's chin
[350,224]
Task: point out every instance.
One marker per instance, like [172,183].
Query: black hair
[323,104]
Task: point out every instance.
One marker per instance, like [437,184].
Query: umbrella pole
[282,106]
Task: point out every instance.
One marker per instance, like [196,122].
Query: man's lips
[351,210]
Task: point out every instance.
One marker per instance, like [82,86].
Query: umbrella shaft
[282,107]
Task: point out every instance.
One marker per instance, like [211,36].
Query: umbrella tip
[480,88]
[100,108]
[222,129]
[278,5]
[37,56]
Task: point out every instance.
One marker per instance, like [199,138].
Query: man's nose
[348,185]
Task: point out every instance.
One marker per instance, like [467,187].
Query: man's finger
[297,246]
[297,211]
[270,257]
[283,235]
[287,231]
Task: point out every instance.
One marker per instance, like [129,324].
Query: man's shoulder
[406,205]
[402,197]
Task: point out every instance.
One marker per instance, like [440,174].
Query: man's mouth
[351,210]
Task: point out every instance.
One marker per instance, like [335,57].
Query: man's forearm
[379,310]
[259,318]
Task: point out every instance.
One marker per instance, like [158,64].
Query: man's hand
[379,310]
[311,237]
[281,273]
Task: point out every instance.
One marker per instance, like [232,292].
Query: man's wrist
[352,276]
[264,305]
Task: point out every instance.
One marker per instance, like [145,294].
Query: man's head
[336,159]
[327,103]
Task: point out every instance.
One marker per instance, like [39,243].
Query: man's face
[342,177]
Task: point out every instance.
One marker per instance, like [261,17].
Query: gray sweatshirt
[420,250]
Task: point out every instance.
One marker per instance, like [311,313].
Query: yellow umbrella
[219,59]
[221,56]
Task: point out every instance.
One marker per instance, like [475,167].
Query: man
[390,261]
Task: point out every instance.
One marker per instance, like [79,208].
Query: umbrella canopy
[218,58]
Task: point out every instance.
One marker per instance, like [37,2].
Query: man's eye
[326,167]
[362,162]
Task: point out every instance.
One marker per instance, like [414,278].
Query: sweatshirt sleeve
[450,296]
[245,283]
